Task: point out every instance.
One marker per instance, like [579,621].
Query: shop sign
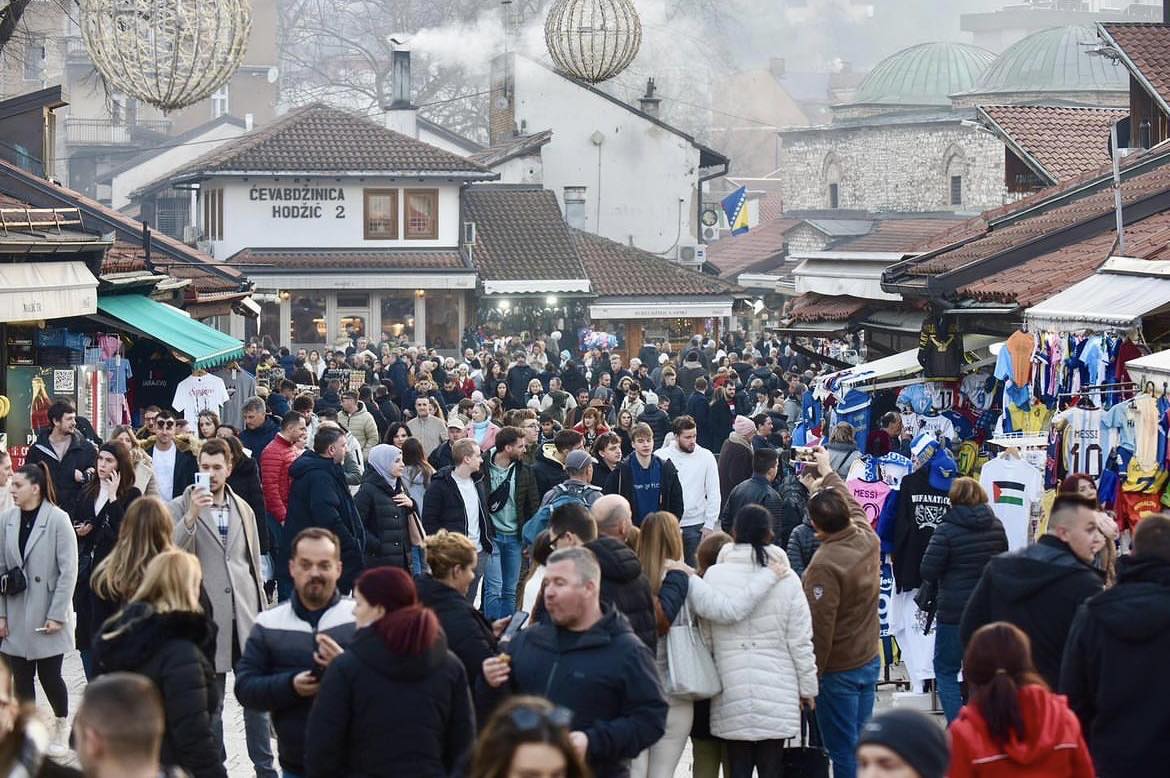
[679,310]
[301,202]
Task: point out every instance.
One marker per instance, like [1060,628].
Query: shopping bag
[805,761]
[691,672]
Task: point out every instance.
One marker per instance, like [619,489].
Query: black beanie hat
[912,735]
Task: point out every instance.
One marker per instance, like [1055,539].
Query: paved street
[237,754]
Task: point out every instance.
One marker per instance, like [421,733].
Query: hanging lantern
[167,53]
[592,40]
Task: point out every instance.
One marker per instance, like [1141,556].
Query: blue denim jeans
[948,660]
[692,536]
[844,704]
[500,577]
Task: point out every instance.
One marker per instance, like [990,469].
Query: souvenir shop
[635,323]
[133,352]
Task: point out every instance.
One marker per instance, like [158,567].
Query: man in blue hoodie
[319,497]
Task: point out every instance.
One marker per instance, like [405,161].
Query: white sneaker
[59,744]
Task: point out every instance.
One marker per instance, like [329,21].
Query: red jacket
[1053,746]
[274,463]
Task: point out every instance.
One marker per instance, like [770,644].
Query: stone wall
[893,168]
[804,238]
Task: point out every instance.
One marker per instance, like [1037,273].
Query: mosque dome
[923,75]
[1049,62]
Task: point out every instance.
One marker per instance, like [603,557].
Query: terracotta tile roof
[516,147]
[1043,276]
[895,235]
[771,207]
[125,257]
[618,270]
[1147,46]
[321,139]
[257,260]
[759,249]
[1064,141]
[816,307]
[1044,223]
[520,234]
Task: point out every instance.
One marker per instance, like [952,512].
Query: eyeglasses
[165,424]
[532,719]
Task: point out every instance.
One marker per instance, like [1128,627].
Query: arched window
[954,175]
[831,175]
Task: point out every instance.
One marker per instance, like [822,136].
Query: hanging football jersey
[1146,428]
[1083,448]
[938,425]
[872,495]
[894,467]
[915,397]
[1030,421]
[943,395]
[1121,421]
[975,389]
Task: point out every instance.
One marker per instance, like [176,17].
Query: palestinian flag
[1007,493]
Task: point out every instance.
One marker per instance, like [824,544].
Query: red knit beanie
[408,628]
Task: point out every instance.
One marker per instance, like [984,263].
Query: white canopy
[1152,367]
[896,367]
[1117,296]
[46,290]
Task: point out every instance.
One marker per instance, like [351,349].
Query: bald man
[613,516]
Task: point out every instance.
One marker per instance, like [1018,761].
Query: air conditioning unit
[468,233]
[710,234]
[700,254]
[192,234]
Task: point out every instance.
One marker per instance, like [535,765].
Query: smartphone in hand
[519,619]
[203,481]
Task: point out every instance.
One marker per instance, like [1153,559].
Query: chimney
[649,103]
[502,97]
[401,114]
[777,66]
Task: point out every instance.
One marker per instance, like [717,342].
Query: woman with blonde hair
[452,558]
[144,480]
[165,635]
[146,531]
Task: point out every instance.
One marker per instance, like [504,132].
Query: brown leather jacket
[842,584]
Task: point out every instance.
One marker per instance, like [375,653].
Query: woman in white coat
[37,623]
[765,661]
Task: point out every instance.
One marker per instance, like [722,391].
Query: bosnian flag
[1008,493]
[735,208]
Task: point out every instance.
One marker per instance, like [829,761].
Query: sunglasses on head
[532,719]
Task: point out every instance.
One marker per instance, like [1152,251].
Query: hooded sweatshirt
[1052,745]
[1117,641]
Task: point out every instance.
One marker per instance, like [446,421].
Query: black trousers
[766,756]
[49,671]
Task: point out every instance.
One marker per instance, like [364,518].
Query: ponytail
[997,664]
[38,473]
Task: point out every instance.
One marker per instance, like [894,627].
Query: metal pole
[1117,191]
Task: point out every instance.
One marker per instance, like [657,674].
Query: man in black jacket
[291,645]
[758,490]
[657,479]
[456,431]
[174,468]
[589,661]
[1113,672]
[319,497]
[1039,588]
[259,427]
[71,458]
[623,583]
[457,501]
[655,418]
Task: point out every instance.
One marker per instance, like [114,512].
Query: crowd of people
[529,562]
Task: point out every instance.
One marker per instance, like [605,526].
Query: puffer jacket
[658,422]
[275,461]
[794,504]
[961,546]
[802,544]
[766,661]
[174,651]
[385,522]
[625,587]
[362,426]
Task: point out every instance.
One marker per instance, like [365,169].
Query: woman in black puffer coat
[961,546]
[396,703]
[164,635]
[385,509]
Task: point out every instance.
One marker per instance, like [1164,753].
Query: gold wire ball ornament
[167,53]
[592,40]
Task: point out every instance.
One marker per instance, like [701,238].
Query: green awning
[206,346]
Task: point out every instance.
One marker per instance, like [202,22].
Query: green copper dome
[923,75]
[1053,60]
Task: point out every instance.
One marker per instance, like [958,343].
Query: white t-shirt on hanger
[197,393]
[1013,486]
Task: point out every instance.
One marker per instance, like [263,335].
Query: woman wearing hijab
[386,509]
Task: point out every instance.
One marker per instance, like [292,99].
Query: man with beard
[291,645]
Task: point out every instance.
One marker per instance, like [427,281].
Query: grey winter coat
[802,544]
[231,575]
[50,565]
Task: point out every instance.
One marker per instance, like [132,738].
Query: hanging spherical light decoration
[592,40]
[168,53]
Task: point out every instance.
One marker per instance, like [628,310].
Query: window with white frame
[219,102]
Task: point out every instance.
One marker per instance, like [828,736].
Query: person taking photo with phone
[97,517]
[38,545]
[291,645]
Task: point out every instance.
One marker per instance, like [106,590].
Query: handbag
[691,672]
[12,581]
[499,496]
[805,761]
